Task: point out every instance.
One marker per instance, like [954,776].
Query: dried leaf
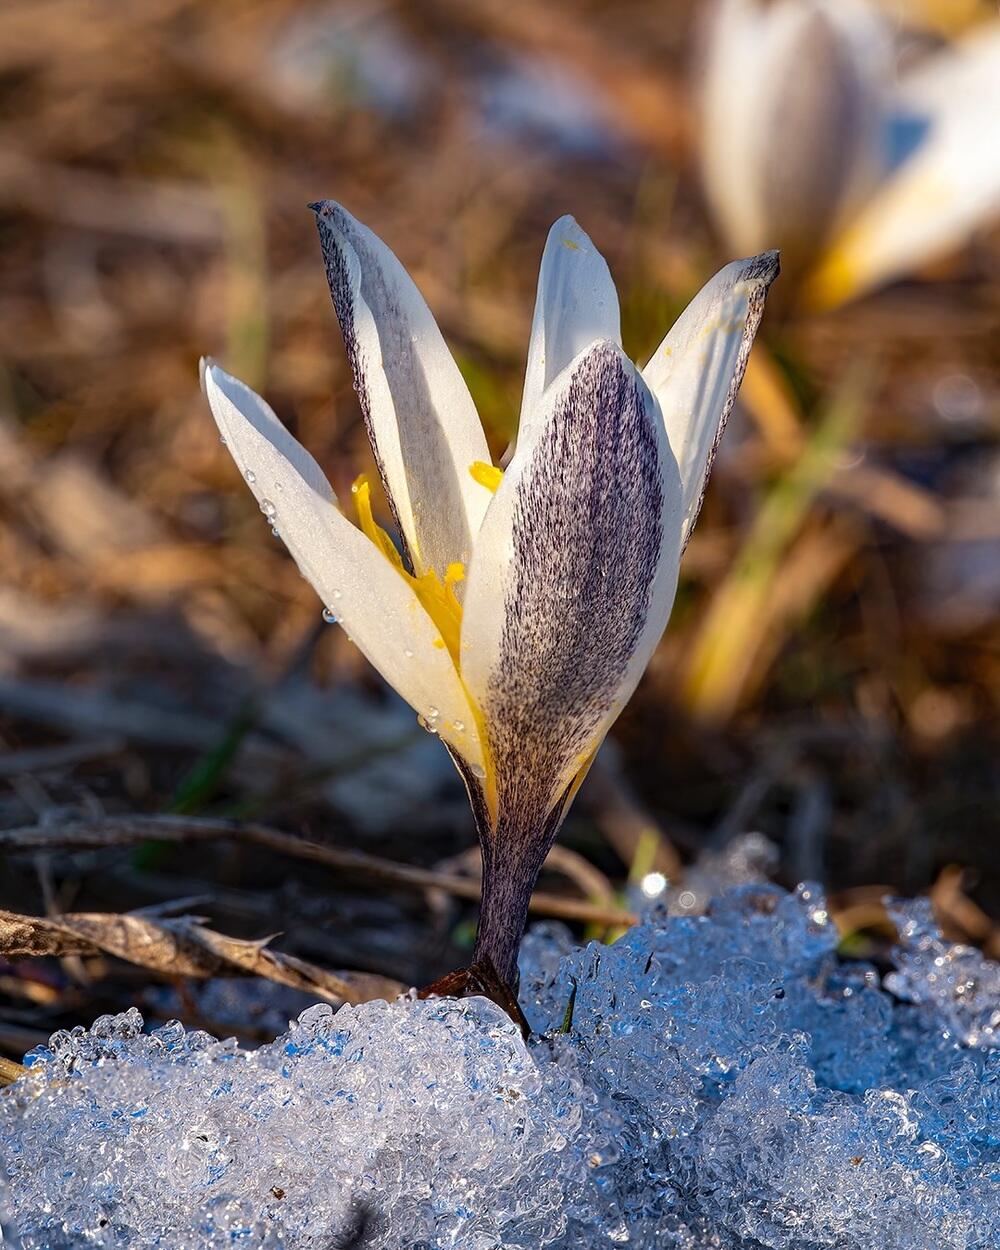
[181,947]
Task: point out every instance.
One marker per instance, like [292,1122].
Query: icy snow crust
[707,1081]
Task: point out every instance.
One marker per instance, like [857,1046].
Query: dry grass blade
[125,831]
[10,1071]
[64,755]
[164,209]
[181,947]
[961,913]
[591,882]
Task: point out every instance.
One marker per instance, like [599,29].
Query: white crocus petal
[420,417]
[947,186]
[578,552]
[729,122]
[376,606]
[825,101]
[576,305]
[696,371]
[807,70]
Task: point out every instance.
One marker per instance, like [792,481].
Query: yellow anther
[362,492]
[568,242]
[438,598]
[442,605]
[487,475]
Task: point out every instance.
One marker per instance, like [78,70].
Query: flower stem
[511,864]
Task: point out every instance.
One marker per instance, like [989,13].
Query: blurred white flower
[814,142]
[525,604]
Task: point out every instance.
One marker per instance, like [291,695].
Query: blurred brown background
[831,673]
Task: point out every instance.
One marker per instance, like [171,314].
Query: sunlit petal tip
[257,440]
[763,268]
[328,210]
[576,305]
[420,418]
[567,225]
[333,222]
[696,371]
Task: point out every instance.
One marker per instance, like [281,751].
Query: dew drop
[268,508]
[425,723]
[250,476]
[459,726]
[337,594]
[222,440]
[274,531]
[478,771]
[329,616]
[433,713]
[408,653]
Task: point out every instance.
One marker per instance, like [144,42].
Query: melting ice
[709,1081]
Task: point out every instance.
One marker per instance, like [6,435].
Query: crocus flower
[520,607]
[811,140]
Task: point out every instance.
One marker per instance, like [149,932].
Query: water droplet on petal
[337,594]
[222,440]
[267,507]
[433,713]
[459,726]
[329,616]
[425,723]
[250,476]
[408,653]
[274,531]
[478,771]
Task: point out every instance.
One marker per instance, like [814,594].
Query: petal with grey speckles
[576,306]
[376,606]
[578,554]
[793,106]
[696,371]
[420,417]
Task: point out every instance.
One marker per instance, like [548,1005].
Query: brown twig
[127,830]
[591,882]
[180,947]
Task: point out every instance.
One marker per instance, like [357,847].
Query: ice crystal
[721,1080]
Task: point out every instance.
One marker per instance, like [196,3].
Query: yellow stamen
[438,598]
[362,492]
[487,475]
